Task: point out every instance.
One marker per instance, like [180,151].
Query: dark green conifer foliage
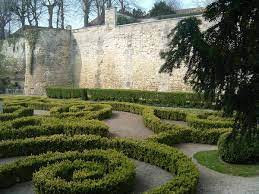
[222,61]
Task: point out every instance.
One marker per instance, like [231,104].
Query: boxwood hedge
[183,99]
[13,112]
[185,173]
[38,126]
[94,171]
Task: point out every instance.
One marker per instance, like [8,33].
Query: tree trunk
[62,15]
[50,10]
[86,19]
[2,32]
[58,15]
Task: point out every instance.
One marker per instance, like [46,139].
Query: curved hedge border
[37,126]
[95,171]
[89,111]
[13,112]
[168,133]
[186,174]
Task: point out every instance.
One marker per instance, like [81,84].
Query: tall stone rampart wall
[106,56]
[126,56]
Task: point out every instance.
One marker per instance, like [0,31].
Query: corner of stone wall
[111,17]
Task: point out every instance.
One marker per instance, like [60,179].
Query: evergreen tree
[223,64]
[161,8]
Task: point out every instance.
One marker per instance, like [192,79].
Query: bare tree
[34,11]
[20,11]
[86,8]
[50,4]
[6,7]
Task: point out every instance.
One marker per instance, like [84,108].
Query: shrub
[65,93]
[186,174]
[36,126]
[88,111]
[239,149]
[95,171]
[13,112]
[205,121]
[183,99]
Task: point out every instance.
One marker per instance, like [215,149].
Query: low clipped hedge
[95,171]
[37,126]
[183,99]
[13,112]
[186,174]
[89,111]
[205,121]
[66,93]
[168,133]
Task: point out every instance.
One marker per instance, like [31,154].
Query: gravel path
[182,123]
[123,124]
[212,182]
[41,112]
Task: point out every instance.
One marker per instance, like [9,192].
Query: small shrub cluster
[172,160]
[13,112]
[172,99]
[36,126]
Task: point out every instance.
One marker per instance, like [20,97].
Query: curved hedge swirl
[94,171]
[72,154]
[13,112]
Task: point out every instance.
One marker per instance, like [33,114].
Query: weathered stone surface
[106,56]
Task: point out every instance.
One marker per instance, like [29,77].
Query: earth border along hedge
[171,99]
[186,174]
[119,172]
[35,126]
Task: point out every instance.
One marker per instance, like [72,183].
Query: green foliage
[221,61]
[180,99]
[65,93]
[121,20]
[184,181]
[35,126]
[87,111]
[10,113]
[238,149]
[211,160]
[161,8]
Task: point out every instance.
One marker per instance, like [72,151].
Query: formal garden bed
[75,127]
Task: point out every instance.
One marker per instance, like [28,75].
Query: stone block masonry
[106,56]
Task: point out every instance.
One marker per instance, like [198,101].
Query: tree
[50,4]
[161,8]
[86,7]
[5,15]
[222,64]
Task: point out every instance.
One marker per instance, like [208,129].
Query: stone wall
[50,63]
[106,56]
[13,52]
[125,56]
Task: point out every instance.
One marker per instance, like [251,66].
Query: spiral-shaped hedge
[68,130]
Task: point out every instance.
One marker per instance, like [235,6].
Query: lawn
[211,160]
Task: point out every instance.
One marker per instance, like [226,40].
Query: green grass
[211,160]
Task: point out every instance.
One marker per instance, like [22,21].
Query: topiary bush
[238,149]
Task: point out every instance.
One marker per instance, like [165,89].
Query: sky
[147,4]
[144,4]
